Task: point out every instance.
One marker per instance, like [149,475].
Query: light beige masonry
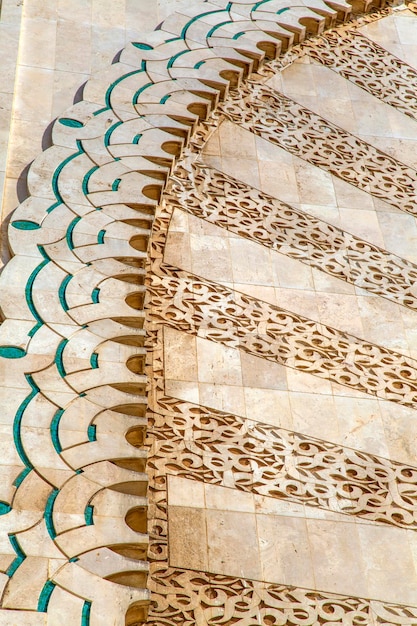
[10,18]
[208,362]
[290,547]
[396,35]
[290,399]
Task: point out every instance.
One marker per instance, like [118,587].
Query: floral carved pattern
[220,448]
[223,449]
[187,597]
[197,306]
[285,123]
[74,290]
[252,214]
[365,63]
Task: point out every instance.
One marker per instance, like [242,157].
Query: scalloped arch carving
[73,342]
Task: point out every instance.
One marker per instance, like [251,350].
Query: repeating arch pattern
[72,343]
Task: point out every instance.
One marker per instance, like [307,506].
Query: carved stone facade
[208,359]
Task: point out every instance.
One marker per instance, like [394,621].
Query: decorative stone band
[252,214]
[204,308]
[284,122]
[72,296]
[181,596]
[364,63]
[186,597]
[219,448]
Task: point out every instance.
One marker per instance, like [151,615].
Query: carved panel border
[250,213]
[291,126]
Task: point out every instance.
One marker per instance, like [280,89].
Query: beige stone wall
[250,299]
[268,295]
[61,44]
[10,18]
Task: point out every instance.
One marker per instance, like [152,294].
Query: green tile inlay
[49,510]
[101,111]
[86,613]
[95,295]
[62,292]
[45,596]
[116,82]
[258,4]
[54,428]
[53,206]
[17,562]
[214,28]
[29,288]
[21,477]
[139,91]
[59,169]
[25,225]
[4,508]
[92,432]
[142,46]
[87,178]
[58,358]
[176,56]
[109,132]
[199,17]
[17,423]
[12,352]
[68,121]
[88,514]
[69,233]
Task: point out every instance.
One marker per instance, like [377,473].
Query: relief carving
[201,307]
[221,200]
[285,123]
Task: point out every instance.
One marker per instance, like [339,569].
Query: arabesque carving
[252,214]
[293,127]
[187,597]
[222,449]
[364,63]
[72,343]
[201,307]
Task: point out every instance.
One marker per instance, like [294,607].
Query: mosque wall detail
[208,359]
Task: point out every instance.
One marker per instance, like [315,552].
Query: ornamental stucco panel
[208,359]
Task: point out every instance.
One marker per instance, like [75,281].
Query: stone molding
[72,342]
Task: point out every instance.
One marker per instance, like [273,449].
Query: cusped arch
[73,293]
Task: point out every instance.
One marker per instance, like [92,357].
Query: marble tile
[188,538]
[212,529]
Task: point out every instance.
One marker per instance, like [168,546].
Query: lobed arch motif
[72,343]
